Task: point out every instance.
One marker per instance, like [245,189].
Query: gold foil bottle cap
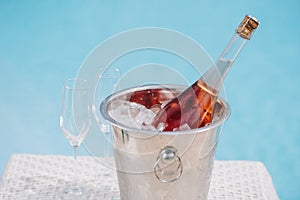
[247,27]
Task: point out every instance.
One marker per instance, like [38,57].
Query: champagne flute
[106,81]
[75,121]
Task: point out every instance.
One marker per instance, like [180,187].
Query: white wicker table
[29,176]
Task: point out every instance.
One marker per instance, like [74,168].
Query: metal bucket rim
[106,116]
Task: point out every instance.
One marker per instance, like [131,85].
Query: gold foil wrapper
[247,27]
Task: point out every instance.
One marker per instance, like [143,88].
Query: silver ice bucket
[163,165]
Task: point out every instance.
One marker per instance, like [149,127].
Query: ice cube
[160,127]
[132,114]
[183,127]
[144,116]
[149,128]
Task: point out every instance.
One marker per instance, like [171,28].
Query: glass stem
[75,172]
[75,153]
[107,145]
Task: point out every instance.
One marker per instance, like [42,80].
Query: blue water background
[42,43]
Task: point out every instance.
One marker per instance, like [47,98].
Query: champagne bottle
[194,106]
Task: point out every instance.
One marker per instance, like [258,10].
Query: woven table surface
[28,176]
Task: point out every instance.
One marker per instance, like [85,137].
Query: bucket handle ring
[168,166]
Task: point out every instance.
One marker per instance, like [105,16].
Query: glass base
[77,192]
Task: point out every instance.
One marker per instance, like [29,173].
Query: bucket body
[164,165]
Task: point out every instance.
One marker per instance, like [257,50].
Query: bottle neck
[233,48]
[215,76]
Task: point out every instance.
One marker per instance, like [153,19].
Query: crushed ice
[132,114]
[137,116]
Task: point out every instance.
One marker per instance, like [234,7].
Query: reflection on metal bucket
[164,165]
